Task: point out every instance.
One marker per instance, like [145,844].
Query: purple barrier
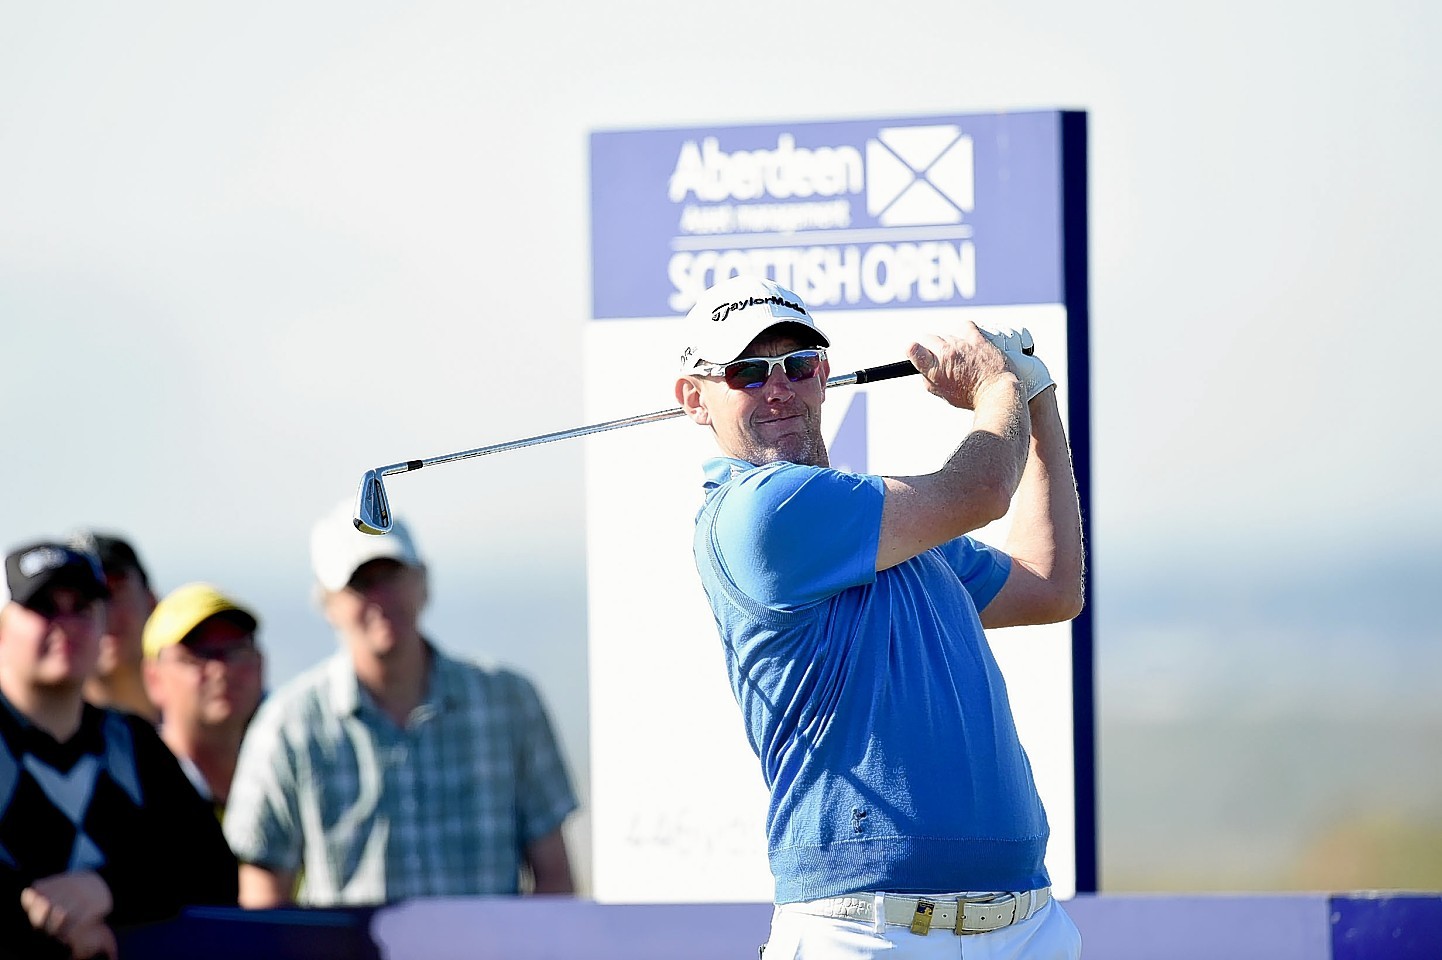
[1387,926]
[1113,926]
[228,933]
[1220,927]
[539,928]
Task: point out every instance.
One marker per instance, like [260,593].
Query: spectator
[117,680]
[98,826]
[393,770]
[203,669]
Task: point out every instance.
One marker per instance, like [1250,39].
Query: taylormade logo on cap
[734,312]
[724,310]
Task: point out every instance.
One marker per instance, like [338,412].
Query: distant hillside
[1274,725]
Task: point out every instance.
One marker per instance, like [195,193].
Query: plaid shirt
[368,812]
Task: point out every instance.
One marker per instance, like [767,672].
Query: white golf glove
[1018,346]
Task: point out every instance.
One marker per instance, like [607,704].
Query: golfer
[851,609]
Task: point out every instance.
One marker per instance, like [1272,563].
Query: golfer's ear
[688,394]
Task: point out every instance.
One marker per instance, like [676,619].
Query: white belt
[969,913]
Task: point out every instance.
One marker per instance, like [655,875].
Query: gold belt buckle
[921,920]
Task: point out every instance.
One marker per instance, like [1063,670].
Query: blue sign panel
[861,214]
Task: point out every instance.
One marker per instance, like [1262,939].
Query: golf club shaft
[888,371]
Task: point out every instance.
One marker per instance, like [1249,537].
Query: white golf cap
[337,548]
[734,312]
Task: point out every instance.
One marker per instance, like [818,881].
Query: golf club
[373,509]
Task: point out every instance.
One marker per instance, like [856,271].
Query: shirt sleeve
[789,536]
[982,569]
[543,791]
[262,815]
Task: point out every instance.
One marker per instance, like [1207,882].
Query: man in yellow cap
[203,670]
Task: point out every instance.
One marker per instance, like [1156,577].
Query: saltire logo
[920,176]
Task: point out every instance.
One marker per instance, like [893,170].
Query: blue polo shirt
[872,700]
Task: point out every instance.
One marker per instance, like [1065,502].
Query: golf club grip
[887,371]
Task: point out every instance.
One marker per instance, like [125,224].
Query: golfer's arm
[975,486]
[261,889]
[1045,541]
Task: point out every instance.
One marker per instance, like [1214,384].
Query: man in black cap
[98,825]
[118,680]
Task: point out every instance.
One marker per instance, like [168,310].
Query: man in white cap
[903,810]
[393,770]
[98,826]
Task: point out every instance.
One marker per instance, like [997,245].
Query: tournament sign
[888,229]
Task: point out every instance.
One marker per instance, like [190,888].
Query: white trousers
[1048,935]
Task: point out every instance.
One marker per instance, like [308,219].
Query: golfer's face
[778,420]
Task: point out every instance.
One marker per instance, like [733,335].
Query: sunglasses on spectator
[242,654]
[51,608]
[753,372]
[375,573]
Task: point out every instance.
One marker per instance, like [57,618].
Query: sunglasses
[752,372]
[49,607]
[242,654]
[375,573]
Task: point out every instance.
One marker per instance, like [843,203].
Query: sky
[248,252]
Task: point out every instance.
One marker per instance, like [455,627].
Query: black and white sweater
[111,799]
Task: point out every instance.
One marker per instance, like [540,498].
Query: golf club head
[372,508]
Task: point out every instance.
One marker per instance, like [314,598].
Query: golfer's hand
[955,367]
[1018,347]
[67,903]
